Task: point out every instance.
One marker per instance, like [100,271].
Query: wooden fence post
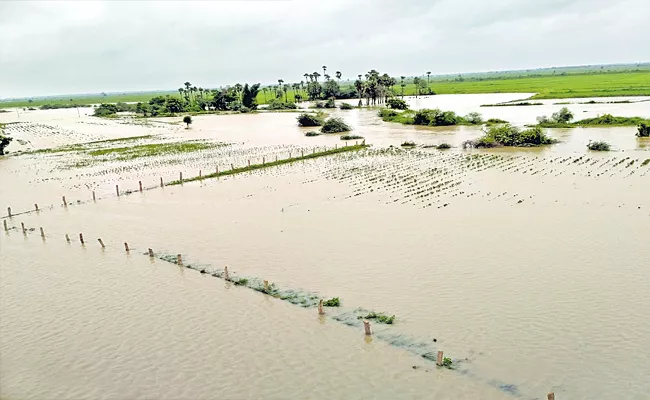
[439,359]
[81,238]
[117,190]
[126,247]
[65,203]
[150,252]
[9,212]
[101,243]
[366,327]
[36,207]
[94,198]
[140,185]
[42,233]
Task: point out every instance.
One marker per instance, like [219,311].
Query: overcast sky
[49,48]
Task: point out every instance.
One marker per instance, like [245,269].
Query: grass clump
[408,143]
[599,146]
[379,317]
[443,146]
[335,125]
[346,106]
[312,133]
[241,282]
[351,137]
[150,150]
[447,362]
[511,136]
[306,119]
[646,162]
[333,302]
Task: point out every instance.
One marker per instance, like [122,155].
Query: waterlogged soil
[528,267]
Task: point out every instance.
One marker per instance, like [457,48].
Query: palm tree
[264,92]
[316,75]
[280,82]
[428,75]
[339,75]
[416,82]
[302,86]
[402,84]
[285,88]
[180,92]
[306,75]
[327,77]
[324,69]
[201,93]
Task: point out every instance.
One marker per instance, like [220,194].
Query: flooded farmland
[528,267]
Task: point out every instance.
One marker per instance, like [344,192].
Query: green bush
[105,110]
[643,130]
[609,119]
[346,106]
[312,133]
[474,118]
[599,146]
[333,302]
[187,120]
[330,103]
[305,119]
[335,125]
[443,146]
[277,104]
[495,121]
[408,144]
[387,113]
[397,104]
[435,117]
[508,135]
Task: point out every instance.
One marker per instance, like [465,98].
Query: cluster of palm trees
[189,92]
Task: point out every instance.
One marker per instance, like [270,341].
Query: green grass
[85,146]
[333,302]
[270,164]
[379,317]
[151,150]
[603,120]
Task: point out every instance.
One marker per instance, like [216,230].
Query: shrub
[599,146]
[563,116]
[312,133]
[105,110]
[387,113]
[408,144]
[330,103]
[643,130]
[435,117]
[609,119]
[508,135]
[443,146]
[351,137]
[495,121]
[187,120]
[346,106]
[397,104]
[305,119]
[4,142]
[335,125]
[244,110]
[319,104]
[277,104]
[474,118]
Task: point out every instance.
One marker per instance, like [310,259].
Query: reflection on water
[528,267]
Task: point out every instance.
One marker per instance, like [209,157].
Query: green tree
[142,108]
[331,89]
[563,116]
[173,105]
[315,75]
[4,141]
[187,120]
[249,98]
[338,75]
[402,84]
[416,82]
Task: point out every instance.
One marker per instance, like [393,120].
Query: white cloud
[77,47]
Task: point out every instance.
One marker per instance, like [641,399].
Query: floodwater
[528,267]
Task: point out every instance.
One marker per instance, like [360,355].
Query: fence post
[36,207]
[117,190]
[94,198]
[81,238]
[366,327]
[179,260]
[42,233]
[4,221]
[551,396]
[439,359]
[65,203]
[320,307]
[150,252]
[22,225]
[161,182]
[9,211]
[101,242]
[126,247]
[225,273]
[181,177]
[140,185]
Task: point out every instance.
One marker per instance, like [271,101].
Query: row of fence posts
[179,260]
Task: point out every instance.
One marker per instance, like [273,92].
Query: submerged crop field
[216,243]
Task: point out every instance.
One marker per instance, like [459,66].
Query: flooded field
[527,267]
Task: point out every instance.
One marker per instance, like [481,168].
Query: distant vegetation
[374,87]
[508,135]
[67,105]
[351,137]
[397,104]
[430,117]
[335,125]
[562,119]
[495,121]
[525,103]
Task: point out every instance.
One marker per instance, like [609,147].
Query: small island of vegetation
[507,135]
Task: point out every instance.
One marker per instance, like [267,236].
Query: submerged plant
[643,130]
[351,137]
[346,106]
[378,317]
[447,362]
[312,133]
[599,146]
[333,302]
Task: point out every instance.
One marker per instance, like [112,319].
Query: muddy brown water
[528,267]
